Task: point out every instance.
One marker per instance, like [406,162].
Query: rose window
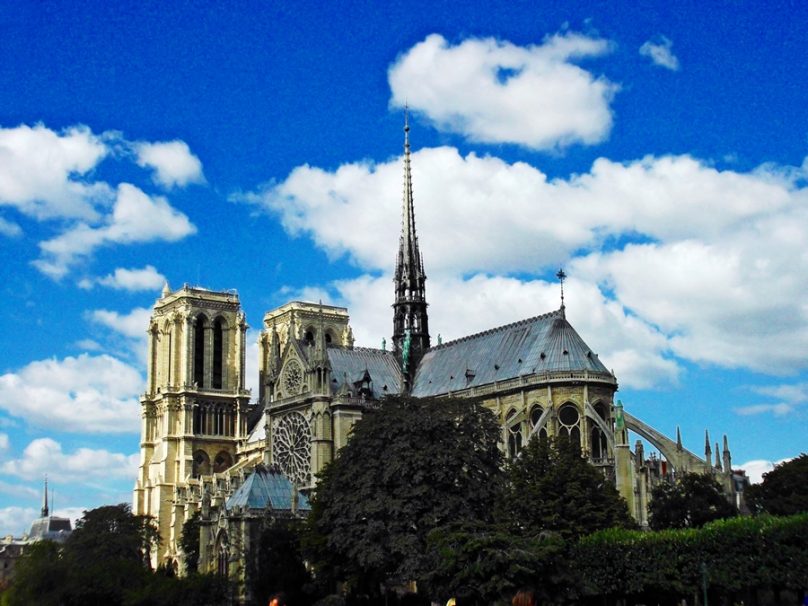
[291,448]
[292,378]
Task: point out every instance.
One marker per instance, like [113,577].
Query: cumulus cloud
[136,218]
[15,520]
[661,53]
[88,394]
[680,247]
[132,325]
[45,456]
[496,92]
[43,173]
[133,280]
[173,163]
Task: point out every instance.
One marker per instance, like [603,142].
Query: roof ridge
[489,331]
[368,350]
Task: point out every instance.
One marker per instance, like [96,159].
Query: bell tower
[410,319]
[194,410]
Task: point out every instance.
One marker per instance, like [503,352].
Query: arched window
[222,557]
[328,338]
[201,464]
[309,336]
[569,423]
[222,462]
[218,342]
[200,418]
[514,434]
[199,350]
[535,414]
[597,439]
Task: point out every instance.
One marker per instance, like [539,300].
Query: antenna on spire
[561,277]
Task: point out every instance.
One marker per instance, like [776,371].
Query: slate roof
[546,343]
[267,488]
[351,364]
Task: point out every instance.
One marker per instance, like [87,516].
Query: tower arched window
[218,353]
[199,350]
[201,464]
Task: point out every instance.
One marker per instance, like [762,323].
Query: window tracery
[291,447]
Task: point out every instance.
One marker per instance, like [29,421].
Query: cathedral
[206,448]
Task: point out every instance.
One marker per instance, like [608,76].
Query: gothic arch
[201,323]
[201,465]
[569,422]
[222,462]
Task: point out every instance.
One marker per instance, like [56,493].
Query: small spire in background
[44,512]
[561,277]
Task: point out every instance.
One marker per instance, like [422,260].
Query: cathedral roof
[543,344]
[52,528]
[351,365]
[267,488]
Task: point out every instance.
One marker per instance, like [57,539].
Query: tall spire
[410,307]
[44,512]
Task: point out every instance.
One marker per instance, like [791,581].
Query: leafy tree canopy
[190,543]
[690,501]
[410,467]
[552,488]
[278,564]
[784,490]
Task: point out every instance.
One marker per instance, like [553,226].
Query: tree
[410,467]
[278,564]
[39,576]
[690,501]
[784,490]
[552,488]
[190,543]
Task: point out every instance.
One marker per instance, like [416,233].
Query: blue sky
[657,152]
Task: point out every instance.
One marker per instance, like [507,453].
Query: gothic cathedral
[206,448]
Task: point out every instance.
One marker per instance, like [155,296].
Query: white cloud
[9,228]
[42,172]
[132,325]
[45,456]
[3,442]
[15,520]
[136,218]
[755,469]
[172,162]
[661,53]
[779,410]
[496,92]
[79,394]
[679,247]
[788,398]
[147,278]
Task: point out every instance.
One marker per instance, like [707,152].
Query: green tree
[784,490]
[278,563]
[410,467]
[690,501]
[39,577]
[190,543]
[552,488]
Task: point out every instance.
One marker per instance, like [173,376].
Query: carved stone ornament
[292,378]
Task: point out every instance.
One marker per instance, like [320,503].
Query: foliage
[189,543]
[105,561]
[551,488]
[410,467]
[739,555]
[39,576]
[784,490]
[691,501]
[490,563]
[278,563]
